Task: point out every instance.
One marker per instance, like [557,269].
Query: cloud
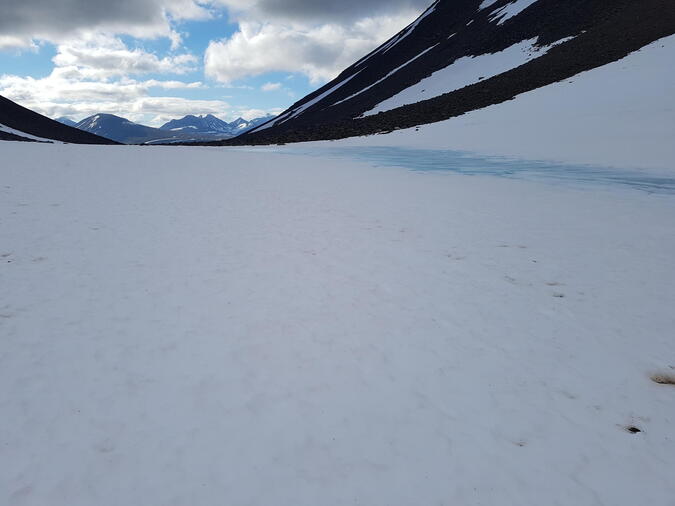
[314,37]
[95,71]
[60,95]
[63,93]
[94,74]
[249,114]
[271,87]
[320,11]
[25,21]
[100,56]
[318,51]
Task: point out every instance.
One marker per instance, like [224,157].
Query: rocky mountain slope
[20,124]
[464,55]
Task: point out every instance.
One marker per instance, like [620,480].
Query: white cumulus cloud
[318,51]
[99,74]
[271,87]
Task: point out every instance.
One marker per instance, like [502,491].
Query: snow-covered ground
[621,114]
[195,326]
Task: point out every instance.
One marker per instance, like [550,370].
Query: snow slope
[265,329]
[621,115]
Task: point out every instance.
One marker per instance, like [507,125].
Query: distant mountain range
[209,124]
[187,129]
[463,55]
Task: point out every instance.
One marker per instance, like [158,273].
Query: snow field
[213,326]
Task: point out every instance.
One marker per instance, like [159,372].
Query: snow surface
[264,329]
[621,115]
[511,10]
[464,72]
[486,3]
[9,130]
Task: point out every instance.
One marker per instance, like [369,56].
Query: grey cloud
[339,10]
[55,19]
[54,16]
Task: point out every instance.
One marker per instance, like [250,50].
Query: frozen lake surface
[463,162]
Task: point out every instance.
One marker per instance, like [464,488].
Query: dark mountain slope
[19,118]
[6,136]
[599,32]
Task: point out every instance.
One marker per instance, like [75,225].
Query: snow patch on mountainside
[6,129]
[464,72]
[510,10]
[486,3]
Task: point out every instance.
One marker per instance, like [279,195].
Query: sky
[155,60]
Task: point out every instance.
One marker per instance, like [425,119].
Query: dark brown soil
[664,378]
